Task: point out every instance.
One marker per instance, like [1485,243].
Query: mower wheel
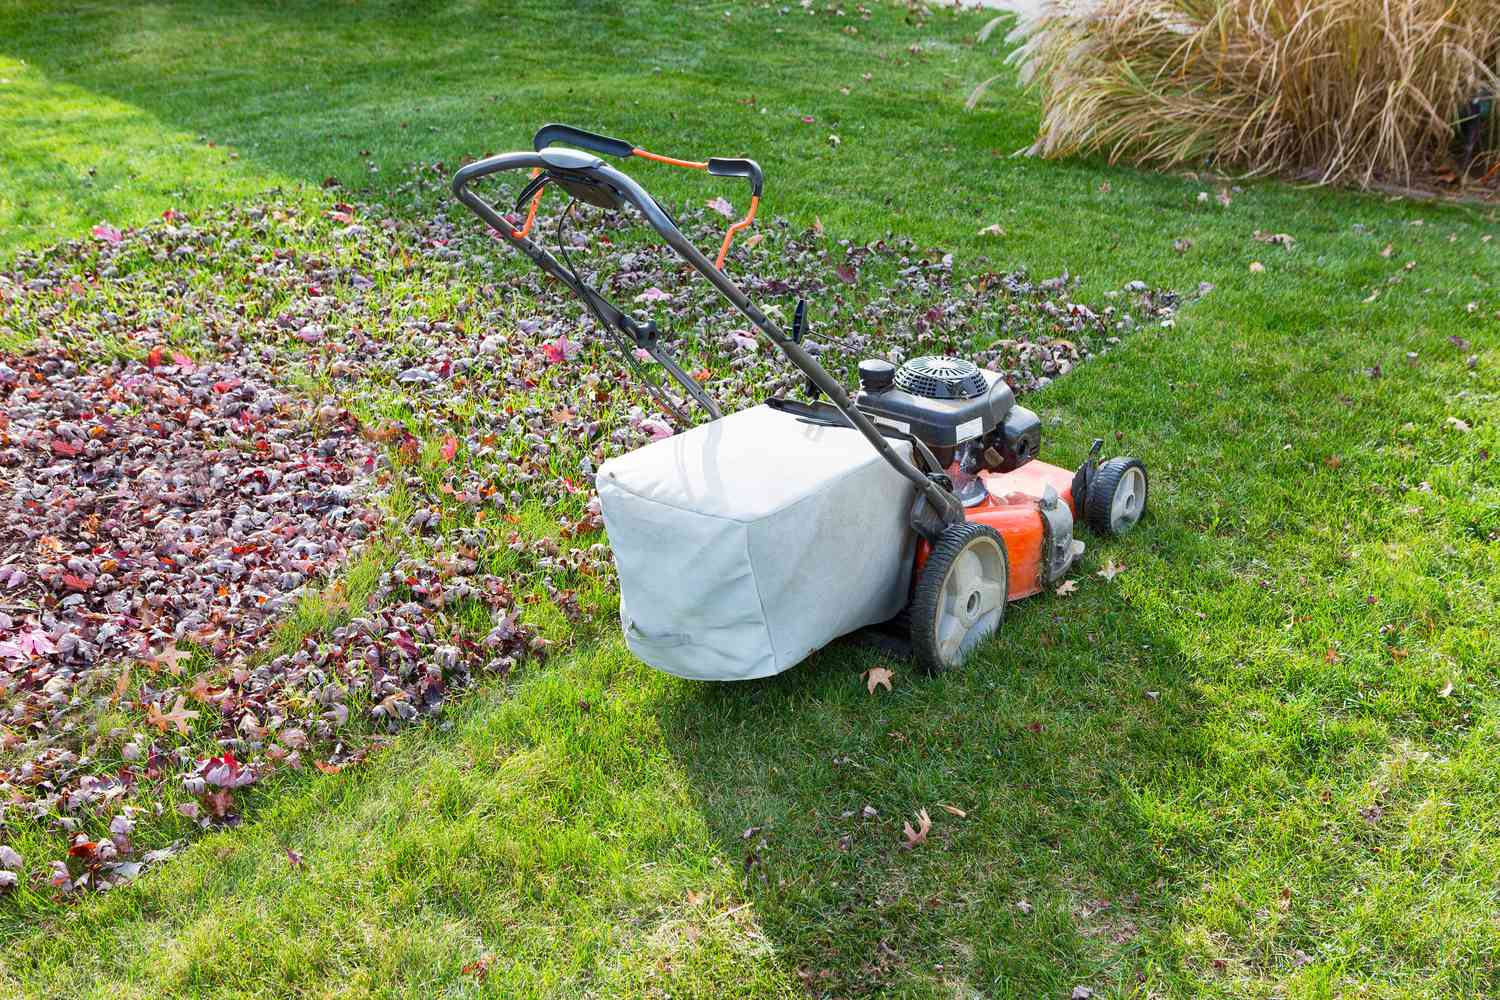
[960,597]
[1116,496]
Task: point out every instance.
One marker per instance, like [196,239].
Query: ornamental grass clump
[1336,91]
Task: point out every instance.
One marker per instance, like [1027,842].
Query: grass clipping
[1339,91]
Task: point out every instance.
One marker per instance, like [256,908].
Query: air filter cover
[941,378]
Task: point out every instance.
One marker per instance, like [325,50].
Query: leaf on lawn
[722,206]
[913,837]
[994,229]
[953,810]
[1256,267]
[877,677]
[1024,906]
[1389,249]
[170,659]
[846,274]
[562,349]
[1457,424]
[178,717]
[653,294]
[817,225]
[450,448]
[754,241]
[480,967]
[1447,691]
[1275,239]
[1067,587]
[1111,570]
[121,683]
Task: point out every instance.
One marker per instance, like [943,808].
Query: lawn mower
[749,541]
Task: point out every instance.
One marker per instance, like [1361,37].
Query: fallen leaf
[170,659]
[1111,570]
[178,717]
[121,683]
[1082,993]
[876,677]
[1067,587]
[562,349]
[1024,906]
[1447,690]
[953,810]
[1256,267]
[993,229]
[1275,239]
[480,967]
[450,448]
[919,835]
[722,206]
[1457,424]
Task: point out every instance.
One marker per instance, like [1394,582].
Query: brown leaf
[919,835]
[1111,570]
[953,810]
[1067,587]
[876,677]
[178,717]
[1447,691]
[121,683]
[170,659]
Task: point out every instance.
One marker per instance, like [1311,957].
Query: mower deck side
[1011,509]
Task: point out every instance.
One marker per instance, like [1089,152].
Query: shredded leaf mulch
[283,478]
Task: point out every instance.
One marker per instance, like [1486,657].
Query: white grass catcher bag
[745,544]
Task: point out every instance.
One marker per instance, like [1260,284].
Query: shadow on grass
[1060,745]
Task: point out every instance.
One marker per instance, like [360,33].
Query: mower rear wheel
[1116,496]
[960,597]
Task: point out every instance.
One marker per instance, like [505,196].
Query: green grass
[1199,743]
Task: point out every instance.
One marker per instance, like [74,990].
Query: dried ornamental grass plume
[1347,91]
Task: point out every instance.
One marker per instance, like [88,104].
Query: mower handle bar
[570,164]
[719,166]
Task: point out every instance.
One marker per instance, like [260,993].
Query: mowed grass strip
[1264,745]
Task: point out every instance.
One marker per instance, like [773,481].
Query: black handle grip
[548,134]
[748,169]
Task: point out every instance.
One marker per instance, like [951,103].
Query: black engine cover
[943,423]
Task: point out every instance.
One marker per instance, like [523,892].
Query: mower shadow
[1061,743]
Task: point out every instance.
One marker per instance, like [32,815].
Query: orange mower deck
[1011,509]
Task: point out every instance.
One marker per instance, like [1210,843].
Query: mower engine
[986,444]
[966,415]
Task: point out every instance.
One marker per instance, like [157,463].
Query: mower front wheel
[960,596]
[1116,496]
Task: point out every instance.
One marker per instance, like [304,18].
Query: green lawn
[1258,763]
